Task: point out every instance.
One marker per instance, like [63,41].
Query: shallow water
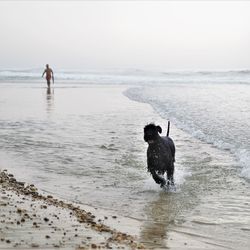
[84,143]
[216,113]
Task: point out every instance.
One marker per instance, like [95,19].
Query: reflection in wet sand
[50,99]
[160,214]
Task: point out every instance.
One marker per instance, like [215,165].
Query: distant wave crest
[131,76]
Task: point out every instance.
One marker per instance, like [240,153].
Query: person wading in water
[49,75]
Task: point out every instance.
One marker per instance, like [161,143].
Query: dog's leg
[158,179]
[170,176]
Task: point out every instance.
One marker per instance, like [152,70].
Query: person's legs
[48,82]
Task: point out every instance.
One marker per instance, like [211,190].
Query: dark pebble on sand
[47,236]
[19,210]
[20,183]
[34,245]
[46,219]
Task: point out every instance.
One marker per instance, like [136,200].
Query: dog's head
[151,133]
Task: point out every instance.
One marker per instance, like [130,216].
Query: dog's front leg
[158,179]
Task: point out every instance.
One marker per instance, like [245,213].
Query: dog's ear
[159,129]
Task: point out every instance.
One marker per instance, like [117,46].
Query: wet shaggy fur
[160,154]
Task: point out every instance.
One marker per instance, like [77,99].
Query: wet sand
[30,219]
[210,209]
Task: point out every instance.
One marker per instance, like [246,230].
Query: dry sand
[33,220]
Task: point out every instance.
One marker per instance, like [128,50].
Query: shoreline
[64,225]
[180,220]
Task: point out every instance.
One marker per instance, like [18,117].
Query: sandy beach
[76,176]
[32,220]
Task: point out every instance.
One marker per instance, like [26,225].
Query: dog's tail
[168,128]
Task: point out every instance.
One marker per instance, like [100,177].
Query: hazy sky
[182,35]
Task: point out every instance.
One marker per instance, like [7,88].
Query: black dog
[160,154]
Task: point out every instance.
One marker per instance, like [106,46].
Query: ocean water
[83,141]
